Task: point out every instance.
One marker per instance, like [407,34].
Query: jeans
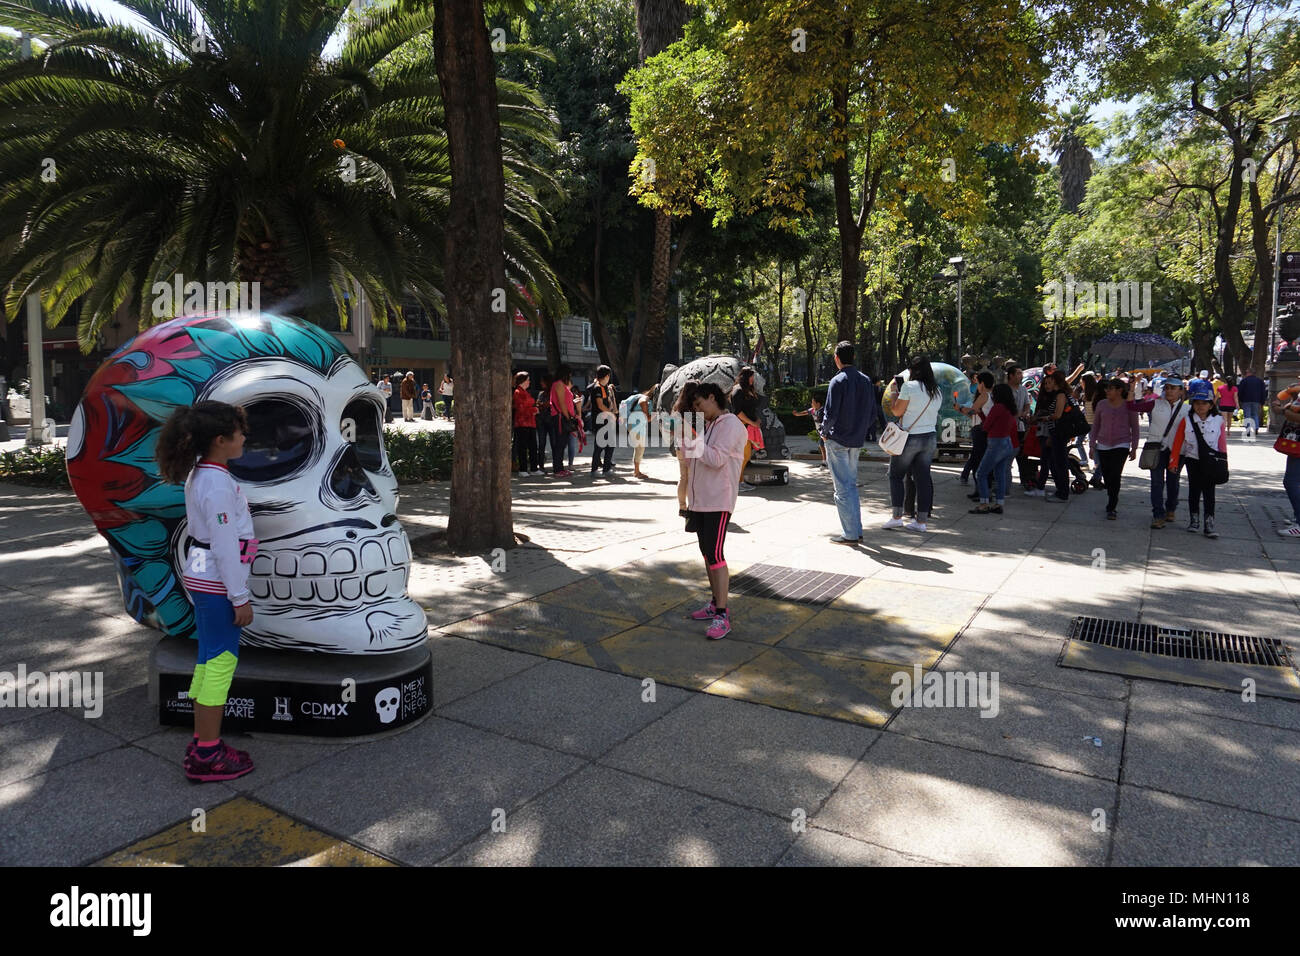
[1291,482]
[1200,483]
[843,464]
[1164,487]
[979,445]
[915,460]
[1112,469]
[996,462]
[1254,411]
[1059,457]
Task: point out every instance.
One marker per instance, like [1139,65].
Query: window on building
[588,342]
[536,342]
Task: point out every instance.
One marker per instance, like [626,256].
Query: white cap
[1205,373]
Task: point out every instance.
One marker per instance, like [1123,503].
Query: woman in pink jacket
[714,458]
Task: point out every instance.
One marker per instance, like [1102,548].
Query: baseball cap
[1205,373]
[1173,381]
[1200,391]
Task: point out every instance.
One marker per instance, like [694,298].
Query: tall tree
[479,515]
[659,24]
[1070,142]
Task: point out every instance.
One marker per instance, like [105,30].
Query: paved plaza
[580,718]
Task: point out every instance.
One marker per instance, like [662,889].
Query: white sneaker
[535,474]
[893,523]
[914,526]
[1036,493]
[1291,532]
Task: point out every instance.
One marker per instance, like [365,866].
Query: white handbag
[894,440]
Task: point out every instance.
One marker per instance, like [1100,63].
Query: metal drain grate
[1180,642]
[790,584]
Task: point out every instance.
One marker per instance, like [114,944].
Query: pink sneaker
[721,626]
[226,764]
[706,613]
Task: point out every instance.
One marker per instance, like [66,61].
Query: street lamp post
[35,332]
[958,263]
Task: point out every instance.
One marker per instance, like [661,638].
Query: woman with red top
[1226,393]
[565,417]
[1001,433]
[525,420]
[1112,438]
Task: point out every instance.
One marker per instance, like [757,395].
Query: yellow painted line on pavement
[243,832]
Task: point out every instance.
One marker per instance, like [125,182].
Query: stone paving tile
[955,806]
[566,707]
[754,620]
[274,756]
[674,658]
[909,601]
[817,847]
[1229,705]
[813,683]
[1050,614]
[49,741]
[539,628]
[1250,766]
[602,817]
[1027,659]
[462,666]
[79,813]
[1159,829]
[418,795]
[874,637]
[746,754]
[1033,724]
[637,598]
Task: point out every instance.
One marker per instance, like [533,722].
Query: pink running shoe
[226,764]
[706,613]
[721,626]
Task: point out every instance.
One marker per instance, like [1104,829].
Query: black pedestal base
[283,692]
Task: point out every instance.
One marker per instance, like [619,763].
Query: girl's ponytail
[189,433]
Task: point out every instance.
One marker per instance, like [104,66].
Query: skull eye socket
[279,441]
[364,418]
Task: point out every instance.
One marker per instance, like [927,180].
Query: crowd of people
[404,392]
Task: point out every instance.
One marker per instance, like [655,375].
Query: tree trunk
[652,352]
[479,513]
[846,321]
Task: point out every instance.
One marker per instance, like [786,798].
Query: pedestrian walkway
[580,718]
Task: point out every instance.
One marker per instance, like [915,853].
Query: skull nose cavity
[349,480]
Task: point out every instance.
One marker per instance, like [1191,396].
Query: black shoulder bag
[1216,462]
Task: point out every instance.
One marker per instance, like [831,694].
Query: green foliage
[419,456]
[43,467]
[222,143]
[790,397]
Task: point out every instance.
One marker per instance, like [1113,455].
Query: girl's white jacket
[218,517]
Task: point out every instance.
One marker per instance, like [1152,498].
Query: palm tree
[659,24]
[1070,140]
[221,143]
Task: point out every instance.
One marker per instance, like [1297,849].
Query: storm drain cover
[1181,655]
[790,584]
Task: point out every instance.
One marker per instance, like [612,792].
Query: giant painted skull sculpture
[719,369]
[332,567]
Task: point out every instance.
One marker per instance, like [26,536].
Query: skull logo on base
[331,570]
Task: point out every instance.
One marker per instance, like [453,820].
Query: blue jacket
[850,408]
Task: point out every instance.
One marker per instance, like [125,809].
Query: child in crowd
[193,447]
[816,410]
[1199,437]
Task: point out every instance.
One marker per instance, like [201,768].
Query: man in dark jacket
[850,410]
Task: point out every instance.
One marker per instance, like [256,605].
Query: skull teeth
[349,572]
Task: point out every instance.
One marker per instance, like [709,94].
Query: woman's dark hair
[714,391]
[564,374]
[986,379]
[189,433]
[745,382]
[1057,378]
[686,398]
[544,382]
[1090,389]
[520,378]
[1114,383]
[1004,396]
[919,370]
